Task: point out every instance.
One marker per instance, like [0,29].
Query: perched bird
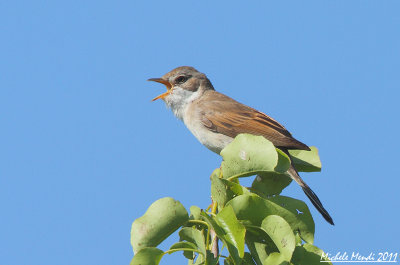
[215,119]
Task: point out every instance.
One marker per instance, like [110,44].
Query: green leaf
[199,261]
[223,190]
[297,214]
[308,255]
[147,256]
[195,213]
[209,260]
[216,172]
[248,259]
[314,249]
[236,188]
[306,161]
[228,262]
[230,231]
[179,245]
[161,219]
[281,233]
[270,183]
[234,230]
[254,208]
[276,259]
[257,249]
[298,238]
[193,236]
[248,155]
[219,192]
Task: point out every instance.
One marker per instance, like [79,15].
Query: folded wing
[224,115]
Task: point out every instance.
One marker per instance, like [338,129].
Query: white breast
[213,141]
[182,104]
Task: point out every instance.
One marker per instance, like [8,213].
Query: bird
[216,119]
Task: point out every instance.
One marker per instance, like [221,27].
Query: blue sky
[84,152]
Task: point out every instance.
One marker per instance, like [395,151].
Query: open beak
[166,83]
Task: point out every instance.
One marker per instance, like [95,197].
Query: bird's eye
[181,79]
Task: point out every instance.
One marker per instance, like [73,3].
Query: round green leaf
[298,238]
[257,248]
[223,190]
[270,183]
[147,256]
[230,231]
[161,219]
[210,260]
[195,237]
[186,245]
[235,187]
[234,230]
[297,214]
[276,259]
[248,259]
[219,192]
[254,208]
[306,161]
[281,233]
[248,155]
[308,255]
[227,262]
[195,213]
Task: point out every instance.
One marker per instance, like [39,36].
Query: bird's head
[184,84]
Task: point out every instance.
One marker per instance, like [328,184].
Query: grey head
[184,85]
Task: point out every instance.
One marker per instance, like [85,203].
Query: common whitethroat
[215,119]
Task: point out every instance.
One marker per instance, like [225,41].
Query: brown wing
[224,115]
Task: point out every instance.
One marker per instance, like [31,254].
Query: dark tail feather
[310,194]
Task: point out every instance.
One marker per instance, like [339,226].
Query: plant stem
[182,249]
[199,222]
[214,241]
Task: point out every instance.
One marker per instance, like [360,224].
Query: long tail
[310,194]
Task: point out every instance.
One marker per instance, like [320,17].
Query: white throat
[179,99]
